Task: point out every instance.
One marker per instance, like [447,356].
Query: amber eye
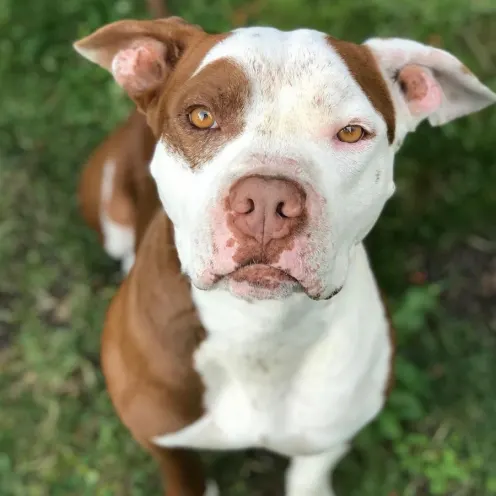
[202,118]
[351,134]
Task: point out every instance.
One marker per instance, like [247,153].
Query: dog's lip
[261,274]
[254,271]
[279,276]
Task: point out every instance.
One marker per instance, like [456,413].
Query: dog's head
[275,153]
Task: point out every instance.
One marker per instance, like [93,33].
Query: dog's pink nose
[267,208]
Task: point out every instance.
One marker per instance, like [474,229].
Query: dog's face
[275,153]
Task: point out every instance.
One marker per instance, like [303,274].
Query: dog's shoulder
[151,332]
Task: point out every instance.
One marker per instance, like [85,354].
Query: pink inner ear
[422,92]
[141,67]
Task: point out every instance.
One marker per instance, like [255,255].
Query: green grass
[433,251]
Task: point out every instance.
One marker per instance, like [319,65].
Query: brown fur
[130,147]
[221,87]
[151,328]
[151,332]
[363,67]
[170,52]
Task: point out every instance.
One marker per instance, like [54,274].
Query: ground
[433,251]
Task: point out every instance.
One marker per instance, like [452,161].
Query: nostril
[290,209]
[279,210]
[243,205]
[250,204]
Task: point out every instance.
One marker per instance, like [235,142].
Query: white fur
[118,239]
[212,489]
[309,475]
[128,262]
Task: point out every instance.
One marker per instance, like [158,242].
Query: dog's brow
[363,67]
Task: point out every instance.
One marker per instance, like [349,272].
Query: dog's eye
[202,118]
[351,134]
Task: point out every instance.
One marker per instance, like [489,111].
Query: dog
[237,197]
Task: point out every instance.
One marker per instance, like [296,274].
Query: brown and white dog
[251,317]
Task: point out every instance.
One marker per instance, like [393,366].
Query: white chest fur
[294,376]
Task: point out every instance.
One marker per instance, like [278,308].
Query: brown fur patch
[151,328]
[120,207]
[363,67]
[151,332]
[221,87]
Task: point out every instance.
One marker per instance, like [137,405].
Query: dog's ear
[428,83]
[139,54]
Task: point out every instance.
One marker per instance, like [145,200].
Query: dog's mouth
[262,276]
[259,280]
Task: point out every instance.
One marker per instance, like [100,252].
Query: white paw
[212,489]
[309,488]
[311,491]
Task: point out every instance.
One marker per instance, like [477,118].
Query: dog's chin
[264,282]
[260,282]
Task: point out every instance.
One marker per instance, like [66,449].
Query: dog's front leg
[311,475]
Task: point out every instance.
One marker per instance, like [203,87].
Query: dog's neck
[221,311]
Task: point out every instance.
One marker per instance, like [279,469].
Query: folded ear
[428,83]
[139,54]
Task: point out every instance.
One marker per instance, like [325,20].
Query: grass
[433,251]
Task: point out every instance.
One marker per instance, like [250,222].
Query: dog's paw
[311,491]
[212,489]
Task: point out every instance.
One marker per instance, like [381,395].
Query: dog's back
[117,195]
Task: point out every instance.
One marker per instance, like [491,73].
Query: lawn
[434,252]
